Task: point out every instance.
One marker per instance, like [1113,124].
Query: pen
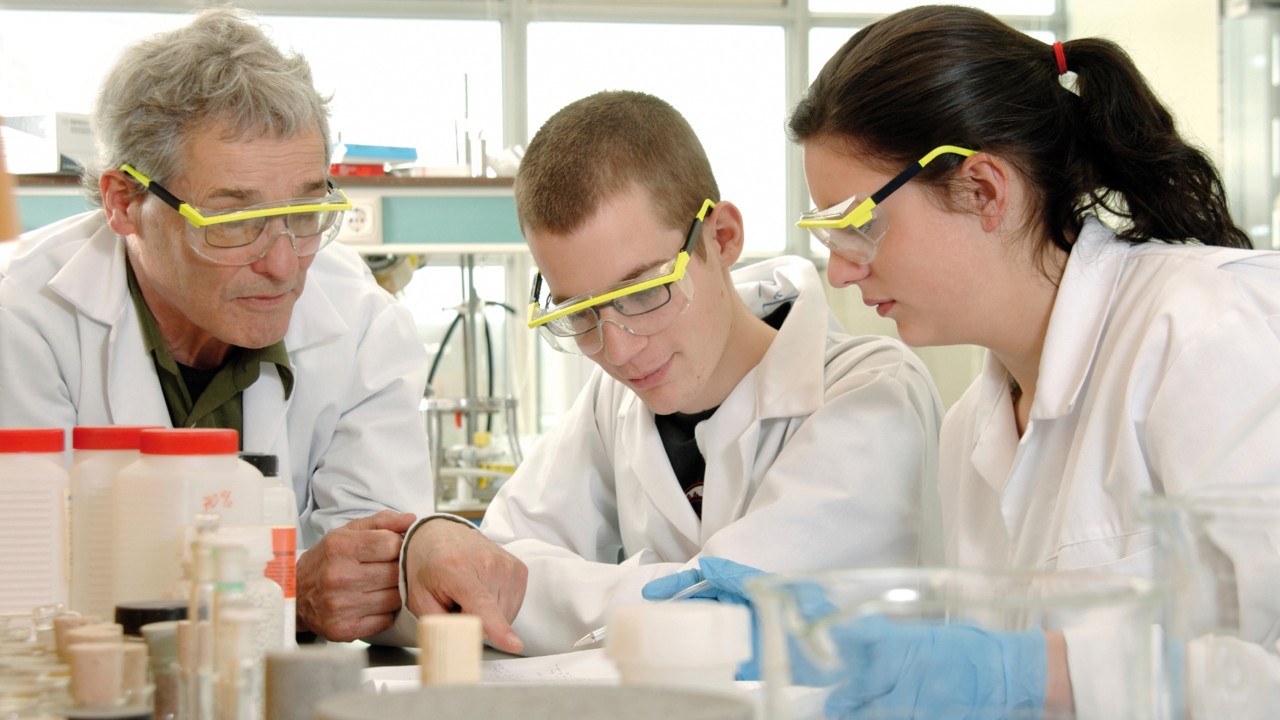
[598,634]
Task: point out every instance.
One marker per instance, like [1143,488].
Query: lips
[650,379]
[882,306]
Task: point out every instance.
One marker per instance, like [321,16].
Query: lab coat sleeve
[372,452]
[558,514]
[844,489]
[1215,416]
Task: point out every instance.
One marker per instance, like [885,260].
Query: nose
[843,273]
[281,258]
[619,343]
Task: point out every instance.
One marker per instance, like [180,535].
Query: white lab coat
[351,437]
[819,458]
[1160,373]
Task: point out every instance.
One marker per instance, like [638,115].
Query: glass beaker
[1219,555]
[882,644]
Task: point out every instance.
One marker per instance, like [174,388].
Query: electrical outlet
[362,224]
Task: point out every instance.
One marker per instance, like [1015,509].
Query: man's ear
[121,202]
[987,181]
[723,233]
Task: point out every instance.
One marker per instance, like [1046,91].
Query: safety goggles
[647,306]
[237,237]
[855,234]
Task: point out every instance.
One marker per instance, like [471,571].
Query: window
[727,80]
[425,77]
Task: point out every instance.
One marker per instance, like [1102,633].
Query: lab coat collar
[1079,316]
[93,278]
[789,378]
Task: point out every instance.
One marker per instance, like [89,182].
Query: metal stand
[465,473]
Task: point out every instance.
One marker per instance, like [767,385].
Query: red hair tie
[1061,57]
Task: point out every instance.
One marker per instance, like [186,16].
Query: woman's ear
[120,202]
[987,186]
[723,233]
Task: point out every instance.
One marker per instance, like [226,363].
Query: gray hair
[221,68]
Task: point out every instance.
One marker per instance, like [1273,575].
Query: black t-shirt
[677,433]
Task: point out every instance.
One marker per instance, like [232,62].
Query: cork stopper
[97,673]
[97,632]
[449,648]
[62,624]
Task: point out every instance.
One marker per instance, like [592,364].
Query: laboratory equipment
[98,453]
[97,674]
[468,466]
[162,650]
[449,649]
[33,514]
[299,679]
[280,513]
[923,642]
[599,633]
[179,474]
[1219,555]
[690,644]
[554,701]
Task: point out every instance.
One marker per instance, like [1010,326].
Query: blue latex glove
[958,671]
[726,578]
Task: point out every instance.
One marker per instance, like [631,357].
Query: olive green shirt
[206,398]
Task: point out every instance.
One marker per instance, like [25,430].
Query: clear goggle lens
[855,244]
[645,312]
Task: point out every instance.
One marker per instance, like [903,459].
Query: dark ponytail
[948,75]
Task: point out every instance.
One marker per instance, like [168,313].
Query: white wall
[1175,45]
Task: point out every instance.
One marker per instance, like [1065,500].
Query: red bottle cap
[113,437]
[190,441]
[32,440]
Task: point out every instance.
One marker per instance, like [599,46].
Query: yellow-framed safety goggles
[543,311]
[853,229]
[230,237]
[336,200]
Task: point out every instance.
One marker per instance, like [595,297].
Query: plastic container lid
[133,615]
[680,634]
[267,464]
[112,437]
[190,441]
[32,440]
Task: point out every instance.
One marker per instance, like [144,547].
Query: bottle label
[284,544]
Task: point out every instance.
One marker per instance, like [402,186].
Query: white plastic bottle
[181,473]
[246,620]
[248,570]
[97,454]
[33,518]
[280,513]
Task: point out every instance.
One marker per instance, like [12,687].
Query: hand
[348,583]
[952,671]
[726,578]
[451,565]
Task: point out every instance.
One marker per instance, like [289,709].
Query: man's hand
[348,584]
[450,565]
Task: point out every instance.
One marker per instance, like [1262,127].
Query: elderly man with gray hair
[205,293]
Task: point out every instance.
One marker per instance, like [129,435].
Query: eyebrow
[254,197]
[633,275]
